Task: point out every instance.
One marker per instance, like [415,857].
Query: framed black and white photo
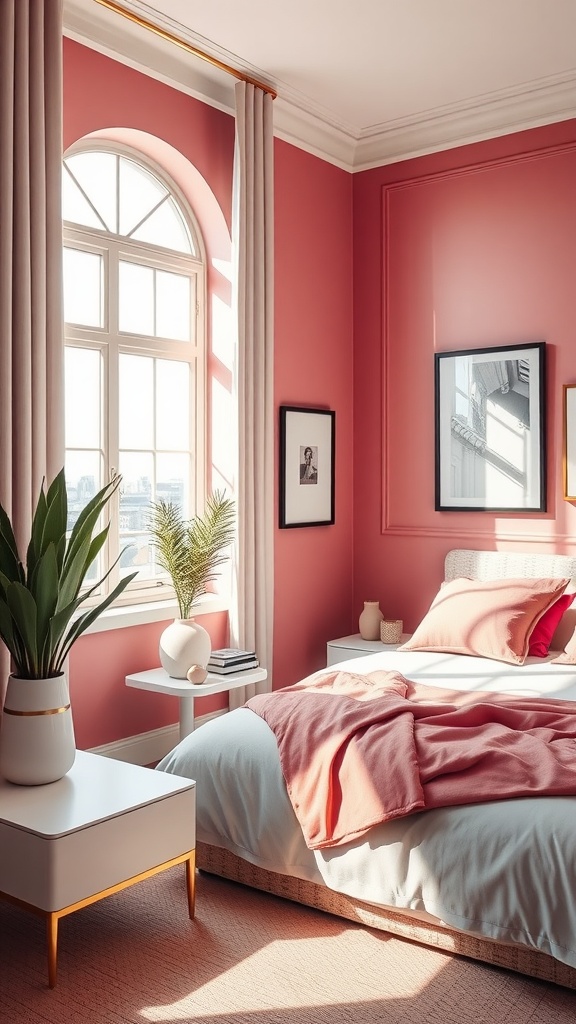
[569,453]
[490,429]
[307,447]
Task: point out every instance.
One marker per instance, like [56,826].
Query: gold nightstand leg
[53,916]
[191,883]
[52,936]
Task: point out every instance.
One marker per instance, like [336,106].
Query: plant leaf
[81,624]
[190,552]
[56,522]
[46,596]
[74,572]
[37,606]
[89,516]
[10,563]
[38,520]
[22,607]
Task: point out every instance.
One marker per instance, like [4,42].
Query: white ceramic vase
[369,621]
[37,743]
[182,644]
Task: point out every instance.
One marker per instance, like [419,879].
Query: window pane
[172,306]
[140,192]
[83,480]
[83,398]
[165,227]
[75,206]
[136,554]
[136,298]
[96,174]
[173,480]
[223,439]
[137,469]
[83,288]
[172,405]
[136,401]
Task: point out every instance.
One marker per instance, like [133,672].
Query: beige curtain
[31,349]
[251,614]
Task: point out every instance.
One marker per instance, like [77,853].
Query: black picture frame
[307,465]
[490,436]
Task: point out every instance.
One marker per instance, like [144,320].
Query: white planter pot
[184,643]
[37,743]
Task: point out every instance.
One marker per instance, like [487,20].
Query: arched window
[134,300]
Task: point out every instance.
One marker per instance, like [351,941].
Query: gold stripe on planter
[28,714]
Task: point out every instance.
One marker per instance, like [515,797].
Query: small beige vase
[182,644]
[369,621]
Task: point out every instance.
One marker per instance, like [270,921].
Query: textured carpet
[249,958]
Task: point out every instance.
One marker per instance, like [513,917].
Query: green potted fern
[190,551]
[40,596]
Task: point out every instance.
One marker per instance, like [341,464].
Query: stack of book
[231,659]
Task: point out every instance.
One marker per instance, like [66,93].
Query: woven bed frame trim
[474,564]
[521,959]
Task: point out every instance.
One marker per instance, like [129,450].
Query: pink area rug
[248,958]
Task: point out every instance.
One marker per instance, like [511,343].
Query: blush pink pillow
[486,618]
[541,636]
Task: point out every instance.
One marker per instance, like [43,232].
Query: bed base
[521,959]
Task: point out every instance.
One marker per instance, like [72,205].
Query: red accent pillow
[541,635]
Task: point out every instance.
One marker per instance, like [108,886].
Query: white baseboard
[148,747]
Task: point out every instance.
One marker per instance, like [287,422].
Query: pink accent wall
[313,366]
[469,248]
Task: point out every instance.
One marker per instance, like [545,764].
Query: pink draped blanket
[358,750]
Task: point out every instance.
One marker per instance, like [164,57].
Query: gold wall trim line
[32,714]
[169,37]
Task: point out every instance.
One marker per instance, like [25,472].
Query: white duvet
[505,870]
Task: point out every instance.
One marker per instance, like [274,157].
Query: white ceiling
[361,82]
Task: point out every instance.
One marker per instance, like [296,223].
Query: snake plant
[189,551]
[39,598]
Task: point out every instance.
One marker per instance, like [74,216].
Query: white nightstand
[157,679]
[347,647]
[104,826]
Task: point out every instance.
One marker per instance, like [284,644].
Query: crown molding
[540,102]
[311,129]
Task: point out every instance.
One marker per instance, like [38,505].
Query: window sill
[152,611]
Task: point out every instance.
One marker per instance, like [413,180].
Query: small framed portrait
[307,447]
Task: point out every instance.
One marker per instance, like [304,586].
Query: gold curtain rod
[169,37]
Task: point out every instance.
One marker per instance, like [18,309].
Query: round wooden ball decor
[196,674]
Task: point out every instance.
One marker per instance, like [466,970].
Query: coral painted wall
[313,353]
[471,248]
[313,367]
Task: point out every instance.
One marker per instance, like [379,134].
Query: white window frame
[146,600]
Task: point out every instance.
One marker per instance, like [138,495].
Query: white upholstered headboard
[498,565]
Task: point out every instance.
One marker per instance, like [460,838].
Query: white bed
[496,881]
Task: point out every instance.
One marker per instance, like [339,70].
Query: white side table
[104,826]
[157,679]
[353,646]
